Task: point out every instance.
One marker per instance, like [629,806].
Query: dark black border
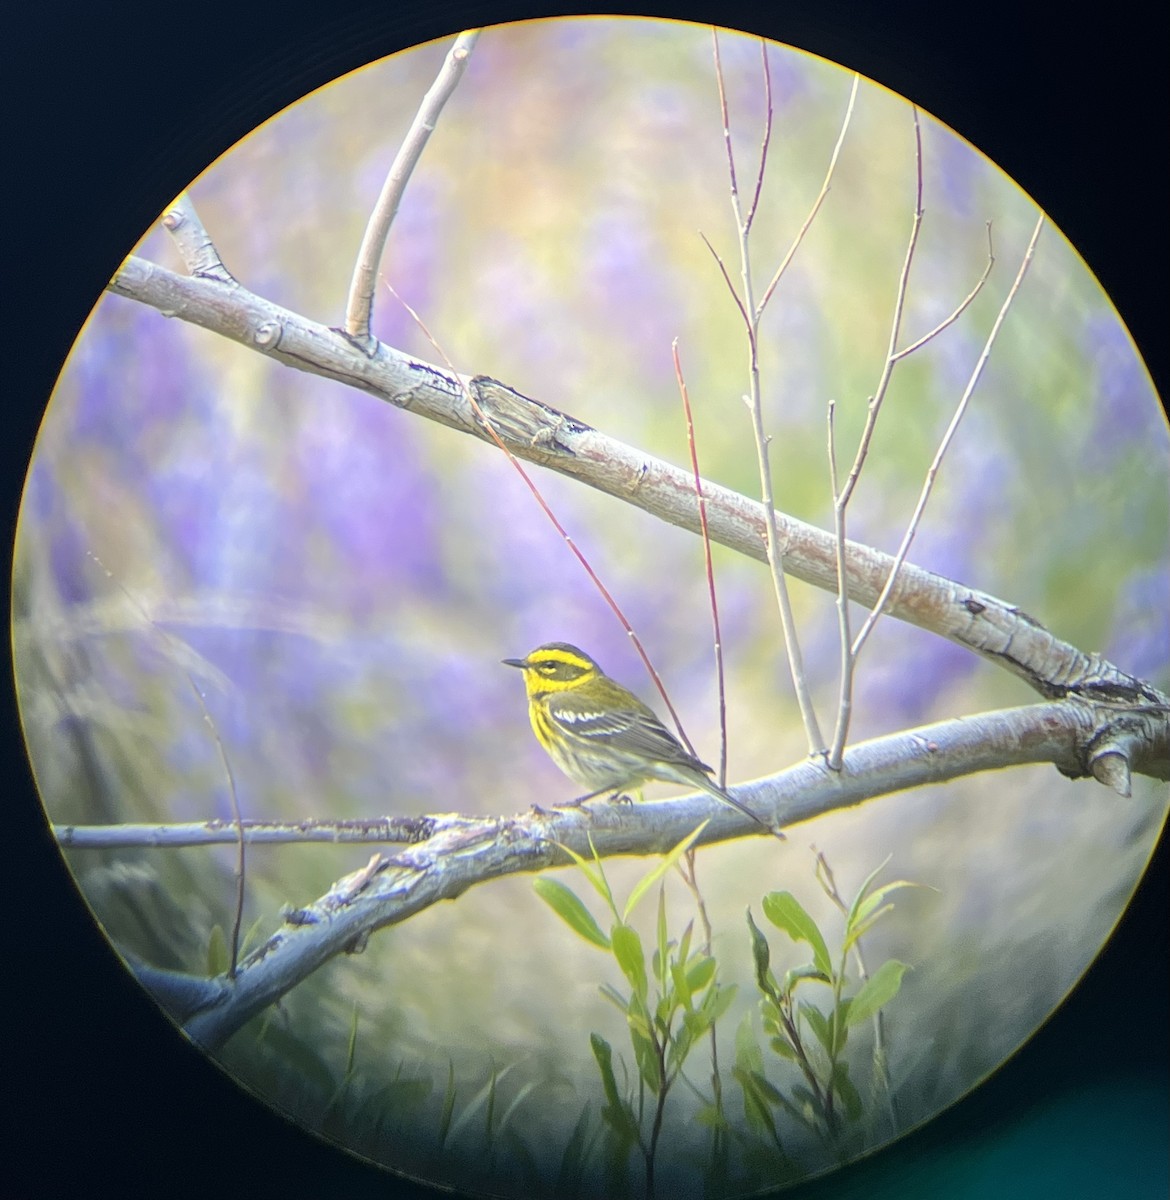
[109,115]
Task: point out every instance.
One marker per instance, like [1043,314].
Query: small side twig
[842,496]
[790,253]
[360,301]
[193,242]
[879,394]
[708,563]
[751,317]
[931,474]
[606,595]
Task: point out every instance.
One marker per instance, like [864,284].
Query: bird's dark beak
[514,662]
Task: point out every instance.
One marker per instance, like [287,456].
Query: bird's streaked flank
[600,734]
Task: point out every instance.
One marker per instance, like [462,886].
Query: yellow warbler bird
[599,733]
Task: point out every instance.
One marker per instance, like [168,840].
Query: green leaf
[517,1100]
[700,972]
[757,1101]
[718,1000]
[698,1021]
[804,1107]
[568,906]
[627,949]
[484,1099]
[858,931]
[647,1059]
[863,891]
[762,954]
[575,1155]
[684,944]
[693,1028]
[351,1046]
[656,873]
[638,1020]
[217,952]
[710,1116]
[786,913]
[682,989]
[448,1103]
[603,1053]
[819,1024]
[864,911]
[694,1025]
[878,990]
[770,1013]
[664,1009]
[782,1047]
[747,1050]
[593,871]
[616,1113]
[614,996]
[844,1088]
[799,974]
[662,955]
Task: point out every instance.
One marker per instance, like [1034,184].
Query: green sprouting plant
[673,1001]
[811,1036]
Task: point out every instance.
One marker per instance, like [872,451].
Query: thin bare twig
[755,408]
[767,137]
[398,830]
[726,121]
[708,563]
[841,498]
[360,301]
[879,395]
[906,351]
[689,873]
[816,205]
[606,595]
[931,474]
[844,639]
[743,312]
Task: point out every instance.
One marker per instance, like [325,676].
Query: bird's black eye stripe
[552,669]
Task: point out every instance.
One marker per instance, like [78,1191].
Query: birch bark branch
[988,626]
[461,852]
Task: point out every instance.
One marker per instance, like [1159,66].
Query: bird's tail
[711,786]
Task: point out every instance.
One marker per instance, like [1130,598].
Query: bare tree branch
[462,852]
[754,401]
[398,830]
[360,302]
[948,436]
[535,432]
[816,204]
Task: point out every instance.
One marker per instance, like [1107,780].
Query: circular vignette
[291,682]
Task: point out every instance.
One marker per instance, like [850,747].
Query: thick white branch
[533,431]
[462,852]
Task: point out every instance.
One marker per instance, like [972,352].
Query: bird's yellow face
[555,667]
